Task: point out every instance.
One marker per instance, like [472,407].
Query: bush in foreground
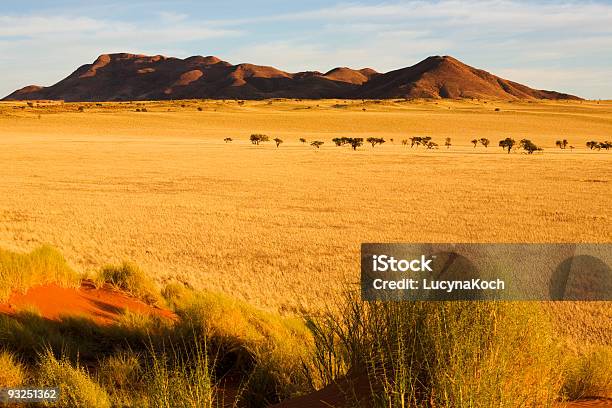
[77,389]
[452,354]
[12,372]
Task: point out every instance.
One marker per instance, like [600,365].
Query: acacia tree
[529,146]
[431,145]
[415,141]
[375,140]
[316,143]
[559,144]
[355,142]
[257,138]
[278,141]
[339,141]
[227,139]
[475,141]
[507,143]
[485,142]
[447,143]
[564,143]
[302,140]
[592,144]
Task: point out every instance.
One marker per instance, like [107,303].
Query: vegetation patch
[19,271]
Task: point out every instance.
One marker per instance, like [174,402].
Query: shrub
[77,389]
[180,377]
[451,354]
[12,372]
[267,349]
[130,278]
[121,370]
[317,143]
[18,272]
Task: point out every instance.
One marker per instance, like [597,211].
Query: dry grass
[281,228]
[13,373]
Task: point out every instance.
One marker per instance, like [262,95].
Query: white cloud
[508,37]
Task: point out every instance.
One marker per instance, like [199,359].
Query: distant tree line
[355,142]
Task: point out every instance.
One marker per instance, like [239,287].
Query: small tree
[592,144]
[339,141]
[257,138]
[278,141]
[404,142]
[355,142]
[559,144]
[375,140]
[475,141]
[564,143]
[507,143]
[529,146]
[227,139]
[302,140]
[447,143]
[485,142]
[316,143]
[415,141]
[431,145]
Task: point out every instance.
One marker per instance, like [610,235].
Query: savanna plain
[278,229]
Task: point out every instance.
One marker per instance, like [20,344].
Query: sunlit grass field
[280,229]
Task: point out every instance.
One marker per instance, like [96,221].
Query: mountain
[115,77]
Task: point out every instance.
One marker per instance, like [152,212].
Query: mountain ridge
[124,76]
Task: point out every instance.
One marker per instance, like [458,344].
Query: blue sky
[558,45]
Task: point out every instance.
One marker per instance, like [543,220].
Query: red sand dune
[115,77]
[104,305]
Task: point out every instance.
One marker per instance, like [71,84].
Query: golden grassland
[281,227]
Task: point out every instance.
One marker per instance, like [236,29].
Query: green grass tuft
[12,372]
[19,272]
[77,389]
[131,279]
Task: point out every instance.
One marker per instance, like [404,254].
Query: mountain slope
[139,77]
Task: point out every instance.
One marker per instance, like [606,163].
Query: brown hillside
[139,77]
[446,77]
